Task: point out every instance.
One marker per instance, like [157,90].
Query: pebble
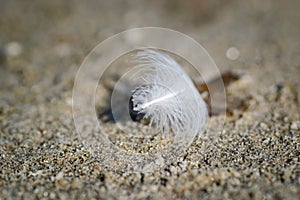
[232,53]
[59,176]
[13,49]
[294,126]
[263,125]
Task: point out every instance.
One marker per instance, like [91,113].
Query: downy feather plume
[167,96]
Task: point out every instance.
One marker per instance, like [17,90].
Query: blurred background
[42,43]
[43,36]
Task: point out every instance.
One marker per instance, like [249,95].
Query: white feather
[167,96]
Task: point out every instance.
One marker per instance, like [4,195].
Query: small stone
[13,49]
[46,194]
[52,195]
[60,175]
[263,125]
[232,53]
[294,126]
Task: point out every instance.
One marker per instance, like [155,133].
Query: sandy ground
[256,157]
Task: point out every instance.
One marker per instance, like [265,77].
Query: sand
[42,45]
